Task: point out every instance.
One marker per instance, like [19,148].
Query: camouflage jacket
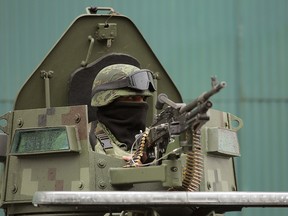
[116,148]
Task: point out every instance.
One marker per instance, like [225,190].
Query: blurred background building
[244,42]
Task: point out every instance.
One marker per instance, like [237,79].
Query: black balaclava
[124,119]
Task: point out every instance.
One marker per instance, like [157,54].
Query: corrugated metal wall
[244,42]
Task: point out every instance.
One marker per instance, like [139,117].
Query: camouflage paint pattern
[55,171]
[85,169]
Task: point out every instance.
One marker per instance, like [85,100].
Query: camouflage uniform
[118,149]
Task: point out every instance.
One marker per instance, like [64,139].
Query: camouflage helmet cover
[112,73]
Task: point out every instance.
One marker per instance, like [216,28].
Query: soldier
[119,92]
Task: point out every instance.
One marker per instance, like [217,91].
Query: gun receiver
[189,115]
[174,120]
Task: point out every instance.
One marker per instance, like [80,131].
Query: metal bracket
[5,127]
[235,123]
[95,10]
[106,31]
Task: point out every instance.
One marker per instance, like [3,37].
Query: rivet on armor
[81,185]
[209,186]
[20,122]
[77,118]
[102,184]
[101,163]
[174,169]
[14,189]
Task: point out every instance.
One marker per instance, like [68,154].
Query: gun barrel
[202,98]
[201,109]
[214,90]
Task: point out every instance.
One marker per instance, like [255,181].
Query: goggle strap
[117,84]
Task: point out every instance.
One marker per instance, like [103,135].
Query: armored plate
[89,38]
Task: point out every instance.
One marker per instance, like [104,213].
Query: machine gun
[173,121]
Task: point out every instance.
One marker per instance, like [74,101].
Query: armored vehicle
[47,144]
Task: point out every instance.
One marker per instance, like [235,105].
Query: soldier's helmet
[119,80]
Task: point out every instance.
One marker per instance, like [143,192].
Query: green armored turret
[104,131]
